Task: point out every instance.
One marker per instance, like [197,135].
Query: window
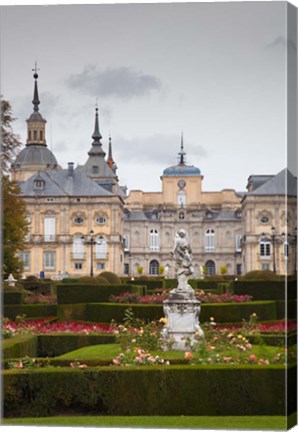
[126,269]
[265,267]
[49,228]
[181,198]
[265,247]
[153,268]
[210,267]
[238,242]
[126,242]
[35,135]
[264,220]
[78,248]
[39,183]
[25,257]
[154,240]
[40,136]
[101,248]
[239,269]
[78,266]
[29,137]
[181,216]
[101,220]
[49,260]
[210,240]
[95,169]
[286,250]
[78,220]
[100,266]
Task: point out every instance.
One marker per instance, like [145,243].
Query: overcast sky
[216,71]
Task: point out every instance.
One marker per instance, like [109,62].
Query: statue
[183,262]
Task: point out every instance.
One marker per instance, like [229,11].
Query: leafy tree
[223,270]
[15,226]
[14,222]
[10,142]
[140,270]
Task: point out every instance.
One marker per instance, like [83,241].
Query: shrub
[71,293]
[111,277]
[260,274]
[30,310]
[19,346]
[158,390]
[91,280]
[13,297]
[266,289]
[37,298]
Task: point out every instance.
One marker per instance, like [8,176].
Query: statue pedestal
[182,311]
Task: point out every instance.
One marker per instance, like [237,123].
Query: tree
[14,221]
[15,226]
[10,142]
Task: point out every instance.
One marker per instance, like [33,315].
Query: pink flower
[252,358]
[248,346]
[116,362]
[188,355]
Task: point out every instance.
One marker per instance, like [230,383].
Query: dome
[36,155]
[182,170]
[36,116]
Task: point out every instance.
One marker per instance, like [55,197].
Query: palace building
[82,221]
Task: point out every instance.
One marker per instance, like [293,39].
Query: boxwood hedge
[266,289]
[90,293]
[13,297]
[30,310]
[221,312]
[19,346]
[155,390]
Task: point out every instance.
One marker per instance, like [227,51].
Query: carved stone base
[182,313]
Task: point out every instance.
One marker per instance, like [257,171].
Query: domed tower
[35,156]
[181,183]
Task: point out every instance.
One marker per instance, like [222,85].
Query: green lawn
[109,351]
[253,422]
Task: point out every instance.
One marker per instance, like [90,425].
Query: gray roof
[223,215]
[36,155]
[137,215]
[283,183]
[36,116]
[61,183]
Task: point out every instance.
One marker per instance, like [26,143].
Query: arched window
[153,267]
[154,240]
[210,267]
[181,215]
[265,247]
[210,240]
[101,247]
[181,198]
[78,247]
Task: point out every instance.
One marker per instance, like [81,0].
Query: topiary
[32,278]
[260,275]
[88,280]
[111,277]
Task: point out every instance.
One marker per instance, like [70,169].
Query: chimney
[70,168]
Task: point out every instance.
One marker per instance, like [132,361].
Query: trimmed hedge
[266,290]
[84,293]
[172,390]
[13,297]
[44,288]
[30,310]
[19,346]
[222,312]
[55,345]
[151,284]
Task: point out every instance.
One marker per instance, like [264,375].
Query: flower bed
[43,326]
[160,296]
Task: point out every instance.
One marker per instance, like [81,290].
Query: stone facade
[228,230]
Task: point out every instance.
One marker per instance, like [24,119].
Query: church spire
[36,100]
[182,152]
[96,148]
[36,129]
[110,161]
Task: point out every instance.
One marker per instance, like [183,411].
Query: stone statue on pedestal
[182,309]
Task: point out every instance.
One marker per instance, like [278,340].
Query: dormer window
[39,184]
[95,169]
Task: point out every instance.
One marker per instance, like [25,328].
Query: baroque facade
[82,221]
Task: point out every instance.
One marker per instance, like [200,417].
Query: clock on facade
[181,183]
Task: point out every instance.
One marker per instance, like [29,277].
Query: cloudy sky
[216,71]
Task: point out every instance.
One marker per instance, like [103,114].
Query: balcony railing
[49,237]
